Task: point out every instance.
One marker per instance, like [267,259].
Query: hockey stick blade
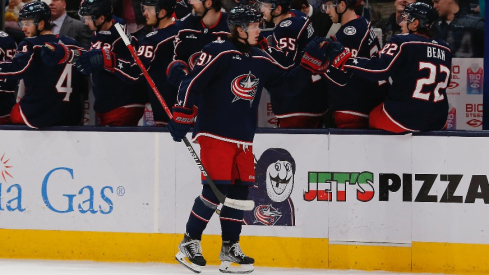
[236,204]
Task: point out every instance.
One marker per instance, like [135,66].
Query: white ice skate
[231,253]
[190,254]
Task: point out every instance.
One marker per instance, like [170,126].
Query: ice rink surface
[42,267]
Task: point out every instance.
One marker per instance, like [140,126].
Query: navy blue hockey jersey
[109,89]
[156,52]
[355,94]
[226,85]
[290,37]
[52,94]
[194,35]
[7,86]
[420,70]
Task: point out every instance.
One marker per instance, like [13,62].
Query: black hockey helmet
[421,11]
[95,9]
[285,4]
[351,4]
[242,15]
[168,5]
[37,11]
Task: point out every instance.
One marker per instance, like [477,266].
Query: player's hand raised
[176,71]
[96,60]
[53,54]
[337,54]
[315,57]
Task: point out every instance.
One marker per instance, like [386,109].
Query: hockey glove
[96,60]
[180,124]
[337,54]
[315,58]
[176,71]
[262,43]
[53,54]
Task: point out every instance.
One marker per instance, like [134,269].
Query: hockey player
[7,86]
[52,95]
[119,98]
[155,52]
[420,68]
[352,97]
[226,83]
[206,24]
[290,36]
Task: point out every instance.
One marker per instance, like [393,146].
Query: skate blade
[180,257]
[226,267]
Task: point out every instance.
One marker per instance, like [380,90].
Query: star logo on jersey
[267,214]
[355,61]
[245,87]
[120,66]
[4,168]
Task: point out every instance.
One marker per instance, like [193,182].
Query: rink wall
[346,199]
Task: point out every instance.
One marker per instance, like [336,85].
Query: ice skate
[190,254]
[231,254]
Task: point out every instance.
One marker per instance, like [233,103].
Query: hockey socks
[204,207]
[232,219]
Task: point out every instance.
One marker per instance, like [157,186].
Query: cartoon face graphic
[279,180]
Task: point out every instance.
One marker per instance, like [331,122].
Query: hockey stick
[236,204]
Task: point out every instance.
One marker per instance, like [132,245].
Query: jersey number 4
[64,82]
[431,79]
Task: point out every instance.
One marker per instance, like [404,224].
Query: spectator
[130,11]
[390,26]
[7,86]
[65,25]
[52,95]
[419,66]
[463,32]
[353,98]
[320,21]
[117,102]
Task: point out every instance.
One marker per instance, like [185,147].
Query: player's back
[420,75]
[7,86]
[52,95]
[109,90]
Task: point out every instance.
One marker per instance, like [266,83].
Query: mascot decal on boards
[274,183]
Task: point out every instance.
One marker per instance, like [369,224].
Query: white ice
[44,267]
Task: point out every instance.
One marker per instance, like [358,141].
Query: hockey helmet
[351,4]
[168,5]
[95,9]
[242,15]
[37,11]
[285,4]
[421,11]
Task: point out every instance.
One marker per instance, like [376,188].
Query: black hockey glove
[179,125]
[176,71]
[53,54]
[315,58]
[262,43]
[96,60]
[337,54]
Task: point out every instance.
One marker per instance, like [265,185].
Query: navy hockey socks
[232,219]
[204,207]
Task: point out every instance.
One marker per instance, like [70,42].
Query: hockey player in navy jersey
[119,98]
[353,97]
[290,36]
[420,68]
[207,23]
[155,52]
[52,95]
[226,84]
[7,85]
